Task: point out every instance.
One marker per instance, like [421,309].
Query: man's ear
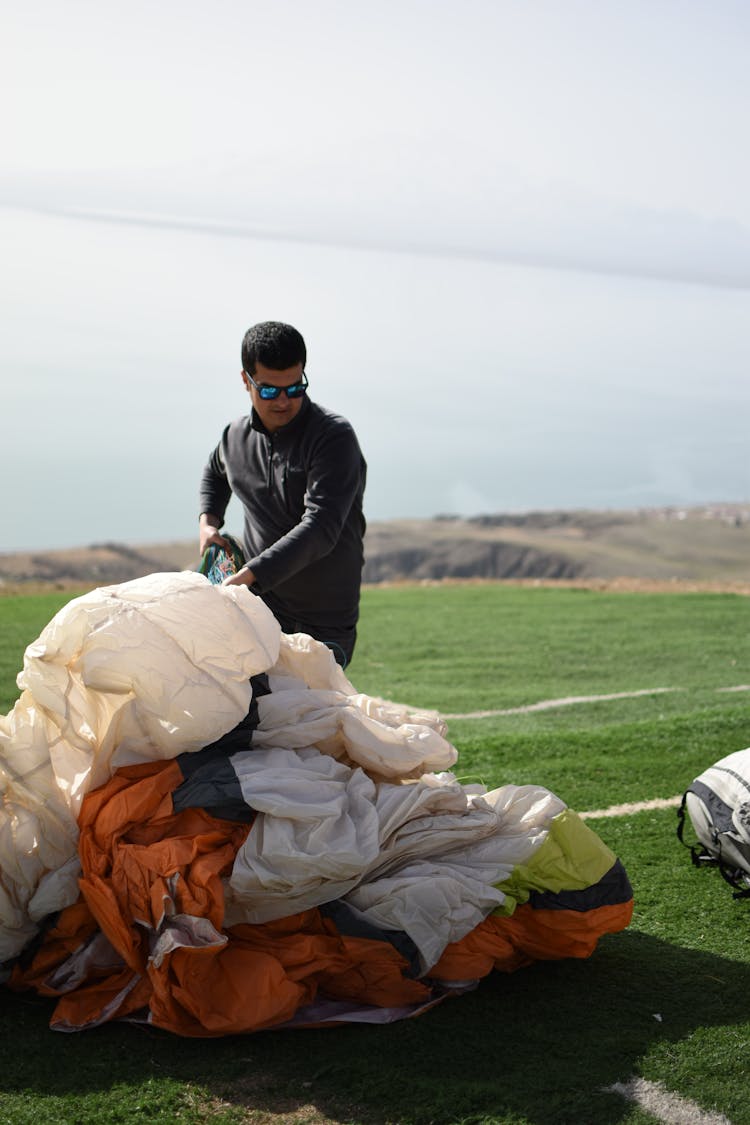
[245,382]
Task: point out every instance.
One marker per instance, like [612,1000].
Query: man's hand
[243,577]
[209,533]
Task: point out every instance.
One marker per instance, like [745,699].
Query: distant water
[474,387]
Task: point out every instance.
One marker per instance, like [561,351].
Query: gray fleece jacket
[301,489]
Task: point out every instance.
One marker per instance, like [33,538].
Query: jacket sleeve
[335,477]
[215,490]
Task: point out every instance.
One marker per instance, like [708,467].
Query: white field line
[547,704]
[632,807]
[664,1105]
[567,701]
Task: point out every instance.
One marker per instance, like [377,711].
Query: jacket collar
[291,428]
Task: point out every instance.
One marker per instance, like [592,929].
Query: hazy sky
[607,136]
[604,133]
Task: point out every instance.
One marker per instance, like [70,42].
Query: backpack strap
[699,857]
[733,876]
[681,812]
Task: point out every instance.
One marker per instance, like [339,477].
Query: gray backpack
[718,806]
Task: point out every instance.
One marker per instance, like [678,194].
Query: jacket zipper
[269,478]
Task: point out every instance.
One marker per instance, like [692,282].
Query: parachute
[205,827]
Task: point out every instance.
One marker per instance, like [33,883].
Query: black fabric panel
[210,782]
[611,890]
[215,789]
[350,923]
[239,738]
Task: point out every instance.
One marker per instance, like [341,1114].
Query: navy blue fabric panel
[611,890]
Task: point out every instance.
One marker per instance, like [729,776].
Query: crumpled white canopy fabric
[316,832]
[363,730]
[145,670]
[438,886]
[420,856]
[151,669]
[387,739]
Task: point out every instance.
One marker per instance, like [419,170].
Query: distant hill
[709,544]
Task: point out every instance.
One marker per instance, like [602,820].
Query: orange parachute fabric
[529,935]
[150,873]
[146,870]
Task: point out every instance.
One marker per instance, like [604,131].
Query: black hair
[273,344]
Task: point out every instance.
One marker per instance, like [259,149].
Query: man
[299,474]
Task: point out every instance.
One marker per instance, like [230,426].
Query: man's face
[275,412]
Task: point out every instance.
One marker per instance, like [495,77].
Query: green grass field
[668,1001]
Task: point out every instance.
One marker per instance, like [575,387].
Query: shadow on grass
[537,1046]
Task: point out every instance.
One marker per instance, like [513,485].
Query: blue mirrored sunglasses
[267,392]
